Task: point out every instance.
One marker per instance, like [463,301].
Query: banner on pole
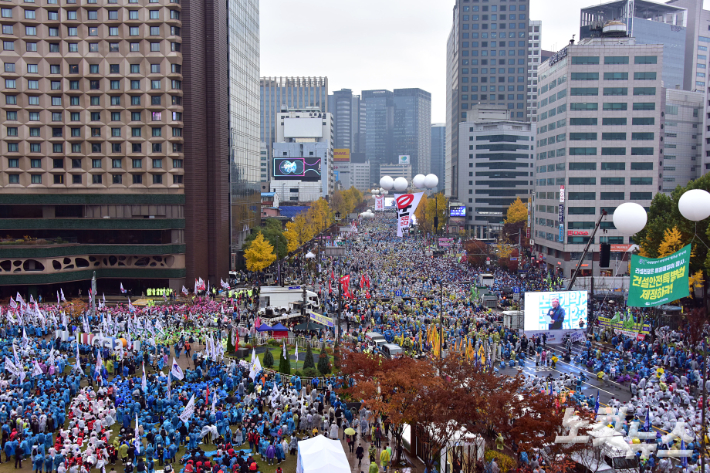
[659,281]
[406,206]
[321,319]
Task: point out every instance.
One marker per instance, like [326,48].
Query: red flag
[330,289]
[367,294]
[207,396]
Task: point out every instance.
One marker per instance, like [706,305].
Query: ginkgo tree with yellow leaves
[260,254]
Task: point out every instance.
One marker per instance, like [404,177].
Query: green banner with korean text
[659,281]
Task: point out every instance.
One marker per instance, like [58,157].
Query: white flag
[177,371]
[36,370]
[185,291]
[78,362]
[61,291]
[99,362]
[296,352]
[137,442]
[10,366]
[144,381]
[169,386]
[214,403]
[284,350]
[189,409]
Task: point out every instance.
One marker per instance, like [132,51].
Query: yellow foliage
[298,232]
[505,463]
[504,250]
[319,215]
[260,254]
[696,280]
[428,208]
[517,212]
[672,242]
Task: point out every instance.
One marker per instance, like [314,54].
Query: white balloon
[386,182]
[695,205]
[375,191]
[630,218]
[400,184]
[418,181]
[431,181]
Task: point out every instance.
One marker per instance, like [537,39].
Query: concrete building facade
[497,157]
[438,154]
[682,138]
[599,144]
[534,61]
[110,146]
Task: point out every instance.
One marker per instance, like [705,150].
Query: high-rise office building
[116,147]
[438,153]
[599,130]
[379,120]
[649,23]
[280,94]
[222,135]
[487,55]
[534,60]
[411,130]
[345,108]
[499,157]
[682,138]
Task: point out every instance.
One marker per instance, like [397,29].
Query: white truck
[486,280]
[275,300]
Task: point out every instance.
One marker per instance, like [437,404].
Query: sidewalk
[415,466]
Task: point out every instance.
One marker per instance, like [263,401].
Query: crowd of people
[153,387]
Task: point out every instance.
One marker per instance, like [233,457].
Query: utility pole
[441,303]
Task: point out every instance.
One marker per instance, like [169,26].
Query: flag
[58,299]
[683,460]
[189,409]
[284,350]
[78,361]
[61,291]
[99,362]
[647,422]
[123,291]
[176,371]
[224,284]
[13,304]
[214,403]
[296,352]
[10,366]
[137,441]
[185,291]
[130,306]
[36,370]
[596,404]
[169,386]
[144,381]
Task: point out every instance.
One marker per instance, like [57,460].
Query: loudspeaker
[604,255]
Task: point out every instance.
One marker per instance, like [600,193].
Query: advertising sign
[562,232]
[457,211]
[404,159]
[406,206]
[561,214]
[297,169]
[565,310]
[341,155]
[562,194]
[659,281]
[446,241]
[577,233]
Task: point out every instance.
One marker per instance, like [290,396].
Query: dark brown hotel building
[129,144]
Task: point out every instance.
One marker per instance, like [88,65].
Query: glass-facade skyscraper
[411,128]
[438,152]
[487,55]
[244,116]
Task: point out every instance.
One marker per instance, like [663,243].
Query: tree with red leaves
[477,252]
[393,389]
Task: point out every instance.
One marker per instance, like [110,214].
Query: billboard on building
[341,155]
[404,159]
[303,128]
[297,169]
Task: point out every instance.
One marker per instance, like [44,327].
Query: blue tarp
[264,328]
[291,211]
[279,328]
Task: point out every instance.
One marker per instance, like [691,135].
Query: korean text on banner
[659,281]
[406,206]
[379,203]
[321,319]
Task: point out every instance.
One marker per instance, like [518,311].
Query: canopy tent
[321,455]
[264,328]
[279,331]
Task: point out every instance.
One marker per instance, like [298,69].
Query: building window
[137,163]
[116,163]
[157,163]
[155,47]
[177,163]
[137,179]
[645,60]
[13,179]
[76,179]
[96,179]
[36,179]
[157,179]
[177,178]
[59,178]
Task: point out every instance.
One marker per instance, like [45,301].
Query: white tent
[321,455]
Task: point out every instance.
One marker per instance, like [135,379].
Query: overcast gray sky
[382,44]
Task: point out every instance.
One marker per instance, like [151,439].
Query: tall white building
[534,60]
[599,128]
[682,138]
[496,156]
[302,160]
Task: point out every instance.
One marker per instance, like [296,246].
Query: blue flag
[647,422]
[683,460]
[596,404]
